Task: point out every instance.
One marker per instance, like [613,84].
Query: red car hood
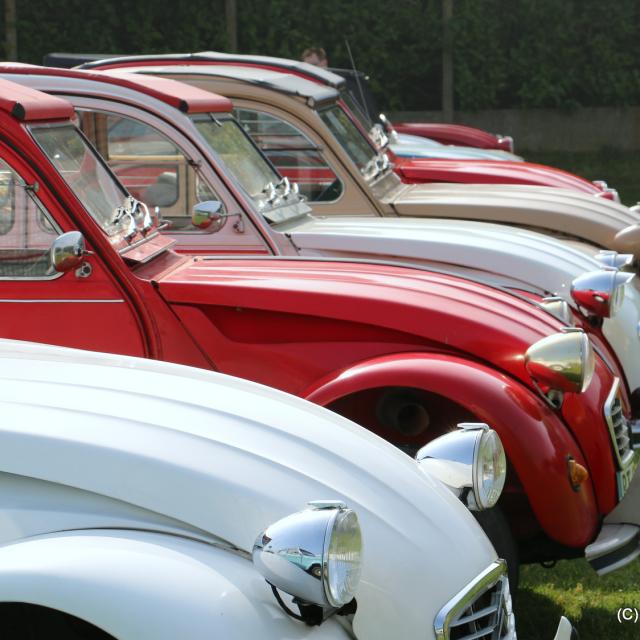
[401,305]
[491,172]
[452,134]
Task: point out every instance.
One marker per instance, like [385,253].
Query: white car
[134,495]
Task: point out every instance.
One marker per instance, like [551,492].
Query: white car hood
[407,145]
[595,220]
[228,457]
[497,254]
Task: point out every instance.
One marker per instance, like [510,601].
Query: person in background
[315,55]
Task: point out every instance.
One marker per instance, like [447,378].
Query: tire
[497,529]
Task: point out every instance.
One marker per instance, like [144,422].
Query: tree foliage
[507,53]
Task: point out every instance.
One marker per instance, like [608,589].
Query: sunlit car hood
[496,254]
[226,457]
[456,314]
[596,220]
[406,145]
[480,171]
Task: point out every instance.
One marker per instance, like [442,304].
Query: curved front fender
[136,585]
[536,440]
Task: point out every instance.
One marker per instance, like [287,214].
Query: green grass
[620,169]
[574,590]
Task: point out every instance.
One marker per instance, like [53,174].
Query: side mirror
[67,251]
[207,215]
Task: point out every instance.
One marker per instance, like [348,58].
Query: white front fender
[137,585]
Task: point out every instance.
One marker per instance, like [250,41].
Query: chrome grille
[481,611]
[619,427]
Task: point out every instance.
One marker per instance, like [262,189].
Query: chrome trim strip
[484,581]
[62,301]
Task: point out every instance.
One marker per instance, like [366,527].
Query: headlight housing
[314,555]
[558,308]
[600,292]
[561,362]
[609,258]
[470,461]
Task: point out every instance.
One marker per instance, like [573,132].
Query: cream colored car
[306,133]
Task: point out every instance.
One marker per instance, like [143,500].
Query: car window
[150,165]
[293,154]
[26,229]
[350,138]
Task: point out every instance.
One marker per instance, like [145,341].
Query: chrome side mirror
[67,251]
[207,215]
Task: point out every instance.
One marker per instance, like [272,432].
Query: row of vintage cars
[243,215]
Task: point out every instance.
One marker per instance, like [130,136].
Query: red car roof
[181,96]
[30,105]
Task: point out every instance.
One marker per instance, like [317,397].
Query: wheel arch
[535,438]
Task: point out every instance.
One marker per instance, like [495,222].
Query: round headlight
[343,560]
[470,461]
[314,555]
[600,292]
[562,361]
[617,299]
[608,258]
[490,470]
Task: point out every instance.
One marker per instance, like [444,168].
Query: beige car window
[293,154]
[151,167]
[26,230]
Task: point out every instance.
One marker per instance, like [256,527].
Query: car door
[85,308]
[298,154]
[157,169]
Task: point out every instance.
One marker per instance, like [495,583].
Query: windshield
[350,137]
[239,155]
[93,184]
[356,110]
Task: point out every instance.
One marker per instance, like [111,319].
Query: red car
[410,169]
[407,352]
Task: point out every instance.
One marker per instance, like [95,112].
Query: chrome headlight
[562,361]
[608,258]
[314,555]
[558,308]
[600,292]
[471,462]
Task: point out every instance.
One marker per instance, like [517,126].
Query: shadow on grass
[572,589]
[537,618]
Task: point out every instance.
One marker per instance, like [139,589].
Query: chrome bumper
[618,543]
[615,547]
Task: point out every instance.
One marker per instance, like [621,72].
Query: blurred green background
[507,53]
[620,169]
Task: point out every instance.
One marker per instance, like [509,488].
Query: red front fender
[536,440]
